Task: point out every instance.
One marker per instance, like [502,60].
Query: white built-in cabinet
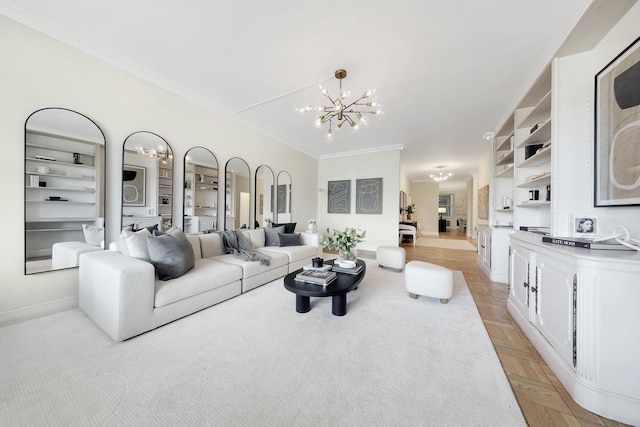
[579,309]
[493,252]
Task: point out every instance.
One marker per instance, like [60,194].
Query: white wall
[39,72]
[382,230]
[425,197]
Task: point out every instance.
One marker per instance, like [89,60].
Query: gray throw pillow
[271,237]
[171,254]
[292,239]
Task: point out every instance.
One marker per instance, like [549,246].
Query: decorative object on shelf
[345,242]
[585,226]
[76,159]
[409,210]
[440,176]
[341,111]
[369,196]
[617,130]
[311,226]
[339,196]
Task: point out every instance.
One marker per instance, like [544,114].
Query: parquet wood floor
[543,400]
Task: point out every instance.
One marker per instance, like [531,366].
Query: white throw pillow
[136,242]
[93,235]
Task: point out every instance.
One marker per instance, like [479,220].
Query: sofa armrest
[117,292]
[310,239]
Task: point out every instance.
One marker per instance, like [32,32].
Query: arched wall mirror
[200,198]
[64,189]
[147,181]
[263,203]
[237,194]
[283,197]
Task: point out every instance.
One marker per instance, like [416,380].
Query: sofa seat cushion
[294,253]
[252,268]
[207,274]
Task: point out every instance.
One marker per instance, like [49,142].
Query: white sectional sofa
[124,297]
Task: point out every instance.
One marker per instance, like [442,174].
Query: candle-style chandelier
[440,176]
[161,154]
[341,111]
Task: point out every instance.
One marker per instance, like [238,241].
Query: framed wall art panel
[617,130]
[339,196]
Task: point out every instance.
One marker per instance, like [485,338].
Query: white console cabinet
[578,307]
[493,252]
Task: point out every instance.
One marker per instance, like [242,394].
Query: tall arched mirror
[263,203]
[200,197]
[64,170]
[283,198]
[147,181]
[237,194]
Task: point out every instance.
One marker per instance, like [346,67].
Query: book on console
[578,242]
[316,277]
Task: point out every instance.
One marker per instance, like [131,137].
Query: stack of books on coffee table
[316,277]
[349,270]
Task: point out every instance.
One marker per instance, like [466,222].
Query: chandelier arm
[354,103]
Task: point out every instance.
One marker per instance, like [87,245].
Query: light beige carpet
[432,242]
[254,361]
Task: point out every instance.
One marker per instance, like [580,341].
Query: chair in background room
[407,230]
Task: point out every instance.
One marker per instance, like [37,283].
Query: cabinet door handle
[534,289]
[526,285]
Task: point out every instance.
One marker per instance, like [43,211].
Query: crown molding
[397,147]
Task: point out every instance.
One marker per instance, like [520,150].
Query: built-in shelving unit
[533,125]
[201,197]
[165,194]
[61,190]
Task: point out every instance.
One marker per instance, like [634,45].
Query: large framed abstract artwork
[133,186]
[369,196]
[617,130]
[339,196]
[483,202]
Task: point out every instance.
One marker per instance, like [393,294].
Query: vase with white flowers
[345,242]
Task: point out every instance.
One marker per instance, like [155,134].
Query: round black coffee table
[338,289]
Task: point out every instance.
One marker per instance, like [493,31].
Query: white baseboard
[34,311]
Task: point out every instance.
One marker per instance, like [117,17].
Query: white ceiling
[446,72]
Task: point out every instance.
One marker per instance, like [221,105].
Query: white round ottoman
[391,256]
[429,280]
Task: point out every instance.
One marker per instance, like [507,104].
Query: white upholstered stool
[429,280]
[67,254]
[391,256]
